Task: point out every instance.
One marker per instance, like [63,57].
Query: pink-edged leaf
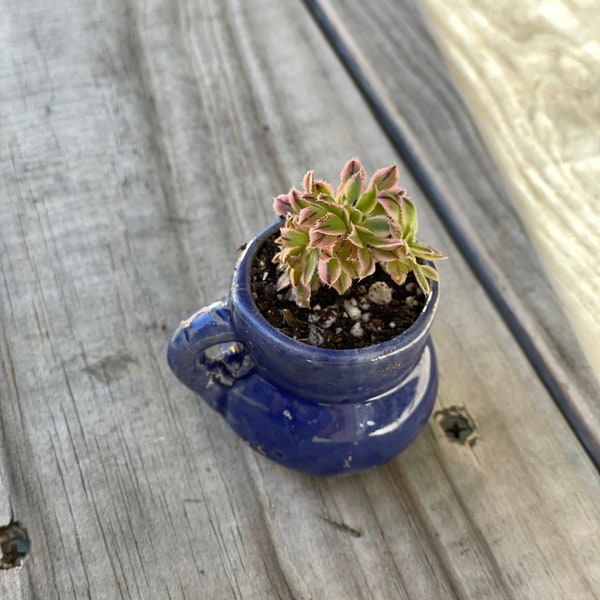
[384,255]
[391,203]
[322,187]
[323,242]
[398,190]
[331,225]
[421,277]
[365,263]
[310,261]
[284,280]
[310,215]
[343,283]
[366,237]
[296,200]
[379,226]
[351,168]
[302,295]
[425,251]
[293,237]
[368,201]
[430,272]
[398,270]
[355,237]
[353,188]
[409,218]
[329,271]
[385,178]
[281,205]
[308,182]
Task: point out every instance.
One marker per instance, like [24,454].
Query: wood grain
[141,145]
[400,62]
[533,88]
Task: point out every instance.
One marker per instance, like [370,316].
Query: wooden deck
[140,144]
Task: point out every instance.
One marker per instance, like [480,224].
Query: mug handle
[189,356]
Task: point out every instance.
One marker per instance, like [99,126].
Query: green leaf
[421,278]
[355,237]
[426,252]
[330,224]
[302,295]
[297,200]
[364,263]
[294,237]
[368,201]
[379,226]
[398,270]
[430,272]
[322,187]
[352,188]
[343,283]
[310,261]
[409,218]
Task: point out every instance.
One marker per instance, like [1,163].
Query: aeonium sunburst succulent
[333,238]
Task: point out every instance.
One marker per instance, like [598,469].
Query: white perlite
[351,309]
[380,293]
[357,330]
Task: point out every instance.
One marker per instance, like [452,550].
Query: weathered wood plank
[400,62]
[533,90]
[141,145]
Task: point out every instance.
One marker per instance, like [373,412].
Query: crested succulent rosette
[334,238]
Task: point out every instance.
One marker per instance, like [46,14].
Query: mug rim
[241,300]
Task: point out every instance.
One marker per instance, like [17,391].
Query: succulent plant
[333,238]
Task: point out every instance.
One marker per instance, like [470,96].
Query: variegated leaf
[368,201]
[329,271]
[308,182]
[385,178]
[331,225]
[281,204]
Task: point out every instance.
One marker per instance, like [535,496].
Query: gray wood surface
[392,44]
[540,116]
[140,145]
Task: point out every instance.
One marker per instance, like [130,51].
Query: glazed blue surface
[320,411]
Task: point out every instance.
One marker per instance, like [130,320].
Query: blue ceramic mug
[325,412]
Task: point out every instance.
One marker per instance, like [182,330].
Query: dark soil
[353,320]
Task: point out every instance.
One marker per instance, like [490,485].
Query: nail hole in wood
[458,425]
[14,545]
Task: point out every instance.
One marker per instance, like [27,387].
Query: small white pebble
[265,275]
[410,286]
[411,301]
[317,307]
[419,291]
[392,324]
[287,414]
[352,310]
[357,330]
[380,293]
[328,321]
[365,317]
